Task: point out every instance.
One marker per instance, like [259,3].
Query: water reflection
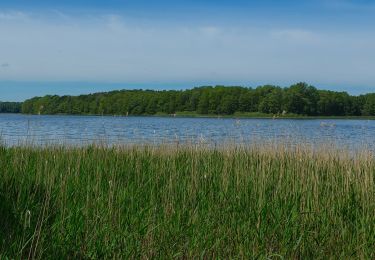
[80,130]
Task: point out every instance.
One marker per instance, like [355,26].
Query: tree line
[10,107]
[301,99]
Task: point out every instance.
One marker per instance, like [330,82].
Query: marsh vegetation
[186,201]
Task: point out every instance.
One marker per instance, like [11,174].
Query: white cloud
[296,36]
[13,16]
[112,48]
[350,5]
[210,31]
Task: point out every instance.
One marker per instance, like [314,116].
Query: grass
[186,202]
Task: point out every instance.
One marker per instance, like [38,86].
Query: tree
[247,101]
[272,103]
[228,105]
[369,106]
[299,98]
[10,107]
[203,104]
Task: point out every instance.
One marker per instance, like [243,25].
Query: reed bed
[257,201]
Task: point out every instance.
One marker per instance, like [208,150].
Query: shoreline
[234,116]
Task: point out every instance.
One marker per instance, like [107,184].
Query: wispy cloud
[13,16]
[296,36]
[350,5]
[59,46]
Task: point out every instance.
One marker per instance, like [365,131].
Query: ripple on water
[16,129]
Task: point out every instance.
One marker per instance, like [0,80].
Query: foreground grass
[183,202]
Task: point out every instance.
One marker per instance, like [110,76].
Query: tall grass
[186,202]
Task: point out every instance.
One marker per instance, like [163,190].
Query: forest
[299,99]
[10,107]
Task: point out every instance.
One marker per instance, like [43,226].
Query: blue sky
[74,47]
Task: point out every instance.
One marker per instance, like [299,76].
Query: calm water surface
[19,129]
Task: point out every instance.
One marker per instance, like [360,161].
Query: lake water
[18,129]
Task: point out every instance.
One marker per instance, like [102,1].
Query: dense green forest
[301,99]
[10,107]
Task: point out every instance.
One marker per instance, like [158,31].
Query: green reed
[186,202]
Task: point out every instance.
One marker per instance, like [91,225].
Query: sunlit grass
[186,202]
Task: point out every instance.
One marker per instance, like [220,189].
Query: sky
[85,46]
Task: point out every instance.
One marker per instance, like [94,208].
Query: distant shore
[233,116]
[271,116]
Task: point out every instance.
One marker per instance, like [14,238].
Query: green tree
[369,106]
[203,104]
[272,103]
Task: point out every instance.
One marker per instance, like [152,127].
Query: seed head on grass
[189,200]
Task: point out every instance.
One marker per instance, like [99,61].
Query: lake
[16,129]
